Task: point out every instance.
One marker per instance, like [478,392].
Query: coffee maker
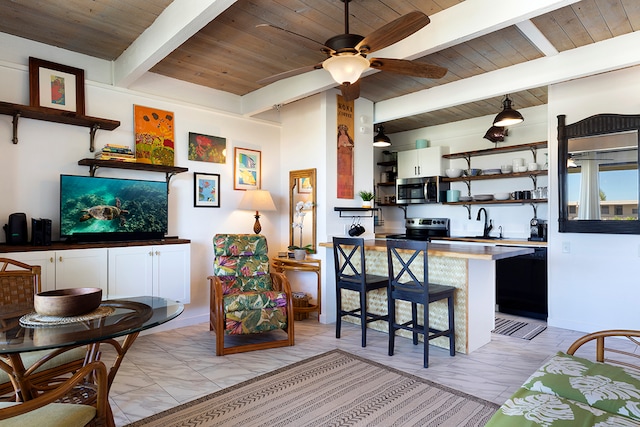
[538,230]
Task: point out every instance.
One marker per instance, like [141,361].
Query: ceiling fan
[346,53]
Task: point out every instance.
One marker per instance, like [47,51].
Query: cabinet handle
[150,253]
[158,253]
[60,259]
[51,260]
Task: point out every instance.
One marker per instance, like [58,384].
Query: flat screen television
[95,209]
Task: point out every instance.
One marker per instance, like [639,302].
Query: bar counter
[471,269]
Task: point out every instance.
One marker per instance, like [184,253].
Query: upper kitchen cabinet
[422,162]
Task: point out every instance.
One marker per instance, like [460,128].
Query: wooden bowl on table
[67,302]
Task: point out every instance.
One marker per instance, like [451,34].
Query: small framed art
[56,86]
[206,148]
[247,169]
[206,190]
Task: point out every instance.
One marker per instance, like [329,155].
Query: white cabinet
[71,268]
[156,270]
[162,270]
[422,162]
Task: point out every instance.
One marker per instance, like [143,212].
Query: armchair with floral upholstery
[246,298]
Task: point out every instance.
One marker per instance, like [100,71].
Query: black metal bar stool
[406,286]
[350,269]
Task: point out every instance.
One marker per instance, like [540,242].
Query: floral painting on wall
[205,148]
[154,130]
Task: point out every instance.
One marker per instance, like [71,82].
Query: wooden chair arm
[280,282]
[94,370]
[600,336]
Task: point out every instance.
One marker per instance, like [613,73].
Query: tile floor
[167,368]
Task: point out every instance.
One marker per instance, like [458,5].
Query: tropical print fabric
[250,303]
[573,391]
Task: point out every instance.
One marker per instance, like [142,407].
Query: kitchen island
[471,269]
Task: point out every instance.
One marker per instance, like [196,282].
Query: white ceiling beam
[535,36]
[456,24]
[572,64]
[175,25]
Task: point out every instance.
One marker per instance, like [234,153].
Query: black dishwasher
[521,285]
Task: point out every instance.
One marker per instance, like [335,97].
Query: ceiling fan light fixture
[346,68]
[508,116]
[381,140]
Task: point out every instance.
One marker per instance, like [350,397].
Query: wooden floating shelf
[94,164]
[497,150]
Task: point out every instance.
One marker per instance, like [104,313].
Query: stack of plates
[466,198]
[482,197]
[491,171]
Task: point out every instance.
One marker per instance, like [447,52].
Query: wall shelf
[355,209]
[56,116]
[94,164]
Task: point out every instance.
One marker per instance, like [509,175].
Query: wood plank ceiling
[232,55]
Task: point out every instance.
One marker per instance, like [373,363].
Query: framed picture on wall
[56,86]
[206,190]
[247,169]
[207,148]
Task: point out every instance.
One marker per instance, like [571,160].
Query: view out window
[604,210]
[618,209]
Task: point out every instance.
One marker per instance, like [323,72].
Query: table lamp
[257,200]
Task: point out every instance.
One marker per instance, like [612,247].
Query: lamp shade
[257,200]
[381,140]
[508,116]
[346,68]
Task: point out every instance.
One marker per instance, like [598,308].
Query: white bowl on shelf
[502,196]
[453,173]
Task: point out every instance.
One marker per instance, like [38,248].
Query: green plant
[366,195]
[307,248]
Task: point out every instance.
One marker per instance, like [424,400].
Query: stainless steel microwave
[421,190]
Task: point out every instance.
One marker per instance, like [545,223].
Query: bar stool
[350,269]
[406,286]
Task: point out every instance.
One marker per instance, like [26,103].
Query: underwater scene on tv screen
[110,205]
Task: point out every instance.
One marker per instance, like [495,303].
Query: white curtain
[589,202]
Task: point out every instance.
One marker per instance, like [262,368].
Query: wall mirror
[598,174]
[302,209]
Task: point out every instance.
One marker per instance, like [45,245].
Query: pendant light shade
[346,68]
[381,140]
[508,116]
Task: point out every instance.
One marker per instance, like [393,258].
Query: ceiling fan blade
[290,73]
[350,91]
[393,32]
[409,68]
[306,41]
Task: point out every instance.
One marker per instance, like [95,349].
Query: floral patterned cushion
[532,408]
[607,387]
[254,301]
[253,321]
[239,245]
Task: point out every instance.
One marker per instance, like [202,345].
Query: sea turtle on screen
[105,212]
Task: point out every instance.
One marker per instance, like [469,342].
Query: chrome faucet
[487,226]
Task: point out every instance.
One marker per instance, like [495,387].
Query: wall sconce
[381,140]
[257,200]
[508,116]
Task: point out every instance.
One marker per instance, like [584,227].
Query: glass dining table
[125,318]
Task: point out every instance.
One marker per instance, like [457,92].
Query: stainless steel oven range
[424,229]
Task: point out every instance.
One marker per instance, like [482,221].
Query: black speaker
[17,229]
[40,232]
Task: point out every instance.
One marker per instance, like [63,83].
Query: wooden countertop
[503,241]
[456,250]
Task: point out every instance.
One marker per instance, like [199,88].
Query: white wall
[595,285]
[30,170]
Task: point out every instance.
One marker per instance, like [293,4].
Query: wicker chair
[43,410]
[246,298]
[19,282]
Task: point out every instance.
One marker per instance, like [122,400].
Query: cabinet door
[45,259]
[131,271]
[431,162]
[408,164]
[172,275]
[82,268]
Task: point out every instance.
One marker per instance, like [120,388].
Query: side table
[282,265]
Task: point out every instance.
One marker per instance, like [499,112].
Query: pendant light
[346,68]
[381,140]
[508,116]
[496,134]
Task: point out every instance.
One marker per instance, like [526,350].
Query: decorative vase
[299,254]
[366,203]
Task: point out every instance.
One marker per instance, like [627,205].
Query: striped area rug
[518,329]
[333,389]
